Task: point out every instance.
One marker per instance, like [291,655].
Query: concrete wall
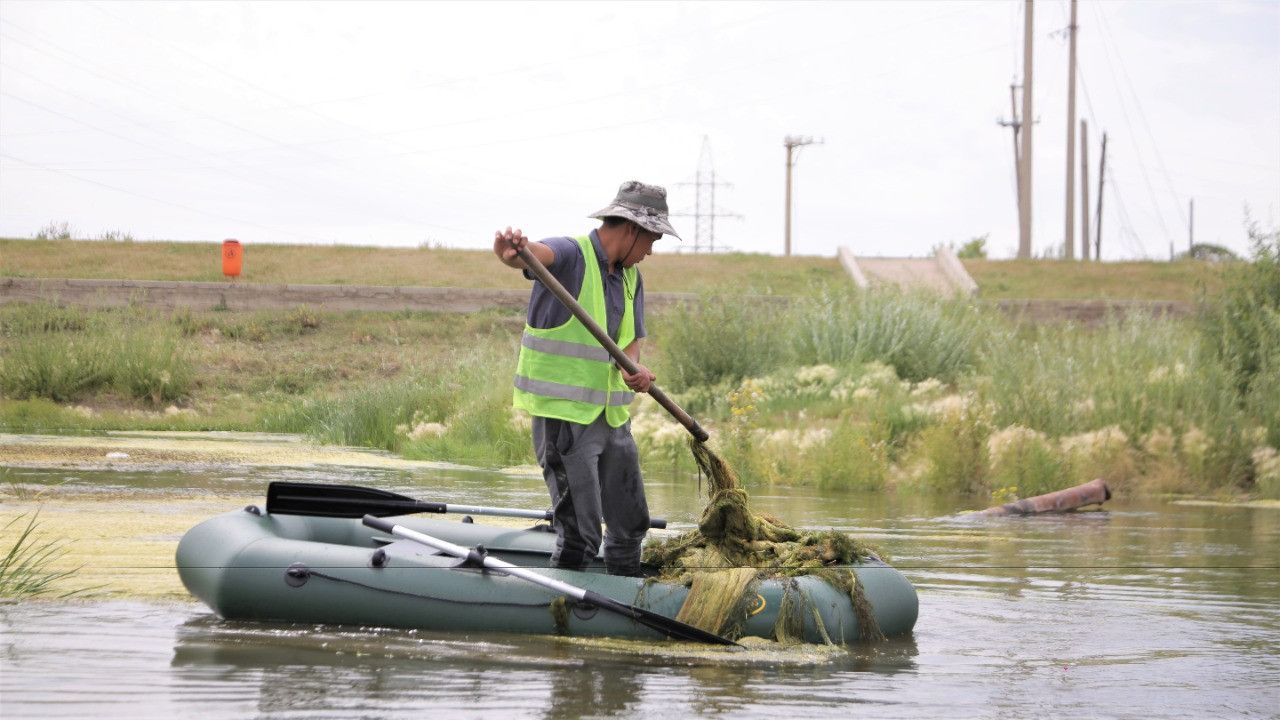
[249,296]
[1090,312]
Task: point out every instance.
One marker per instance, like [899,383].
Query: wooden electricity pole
[1028,118]
[1017,154]
[1097,223]
[792,143]
[1084,190]
[1069,234]
[1191,228]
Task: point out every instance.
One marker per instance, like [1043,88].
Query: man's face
[642,247]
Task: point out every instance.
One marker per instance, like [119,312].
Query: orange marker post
[232,258]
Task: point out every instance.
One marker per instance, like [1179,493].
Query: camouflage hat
[644,205]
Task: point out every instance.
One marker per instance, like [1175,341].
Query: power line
[1142,115]
[87,66]
[1124,110]
[161,201]
[1127,233]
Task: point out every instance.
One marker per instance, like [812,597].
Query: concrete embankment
[254,296]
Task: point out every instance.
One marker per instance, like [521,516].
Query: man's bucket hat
[644,205]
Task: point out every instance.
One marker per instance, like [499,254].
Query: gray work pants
[593,472]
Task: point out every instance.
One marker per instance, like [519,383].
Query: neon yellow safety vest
[564,372]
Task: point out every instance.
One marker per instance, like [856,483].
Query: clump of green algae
[734,549]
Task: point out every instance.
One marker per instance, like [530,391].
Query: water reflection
[1145,609]
[335,670]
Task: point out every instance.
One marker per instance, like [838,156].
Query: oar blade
[340,501]
[667,626]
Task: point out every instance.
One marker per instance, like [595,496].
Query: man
[578,397]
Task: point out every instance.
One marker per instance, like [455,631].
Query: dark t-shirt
[546,310]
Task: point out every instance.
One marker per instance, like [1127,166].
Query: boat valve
[297,575]
[379,559]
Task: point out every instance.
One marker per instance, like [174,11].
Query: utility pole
[704,207]
[792,143]
[1102,176]
[1084,190]
[1024,225]
[1191,228]
[1017,155]
[1069,231]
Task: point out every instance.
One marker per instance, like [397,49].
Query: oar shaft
[657,523]
[665,625]
[500,512]
[492,563]
[538,269]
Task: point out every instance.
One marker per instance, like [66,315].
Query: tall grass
[919,336]
[924,393]
[1241,324]
[459,411]
[365,416]
[26,568]
[727,338]
[54,367]
[1136,373]
[68,366]
[724,338]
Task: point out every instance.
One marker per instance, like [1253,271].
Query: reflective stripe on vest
[564,372]
[573,392]
[568,349]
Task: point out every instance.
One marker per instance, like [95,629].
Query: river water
[1150,609]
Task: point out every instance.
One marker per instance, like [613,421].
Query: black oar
[350,501]
[663,624]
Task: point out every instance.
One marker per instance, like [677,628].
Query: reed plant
[151,367]
[728,338]
[1242,323]
[54,366]
[920,336]
[1137,374]
[482,430]
[724,338]
[367,415]
[67,367]
[951,456]
[27,568]
[459,410]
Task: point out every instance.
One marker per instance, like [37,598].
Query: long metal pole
[1017,154]
[787,237]
[1102,177]
[1028,120]
[1084,190]
[1069,234]
[1191,228]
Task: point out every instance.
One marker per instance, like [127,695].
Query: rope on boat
[421,596]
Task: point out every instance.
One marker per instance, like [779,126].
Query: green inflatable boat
[254,565]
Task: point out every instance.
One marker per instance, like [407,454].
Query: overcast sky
[409,123]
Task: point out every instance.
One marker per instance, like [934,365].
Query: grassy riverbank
[875,391]
[664,271]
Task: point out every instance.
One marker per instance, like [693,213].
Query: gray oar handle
[658,523]
[625,361]
[491,563]
[667,626]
